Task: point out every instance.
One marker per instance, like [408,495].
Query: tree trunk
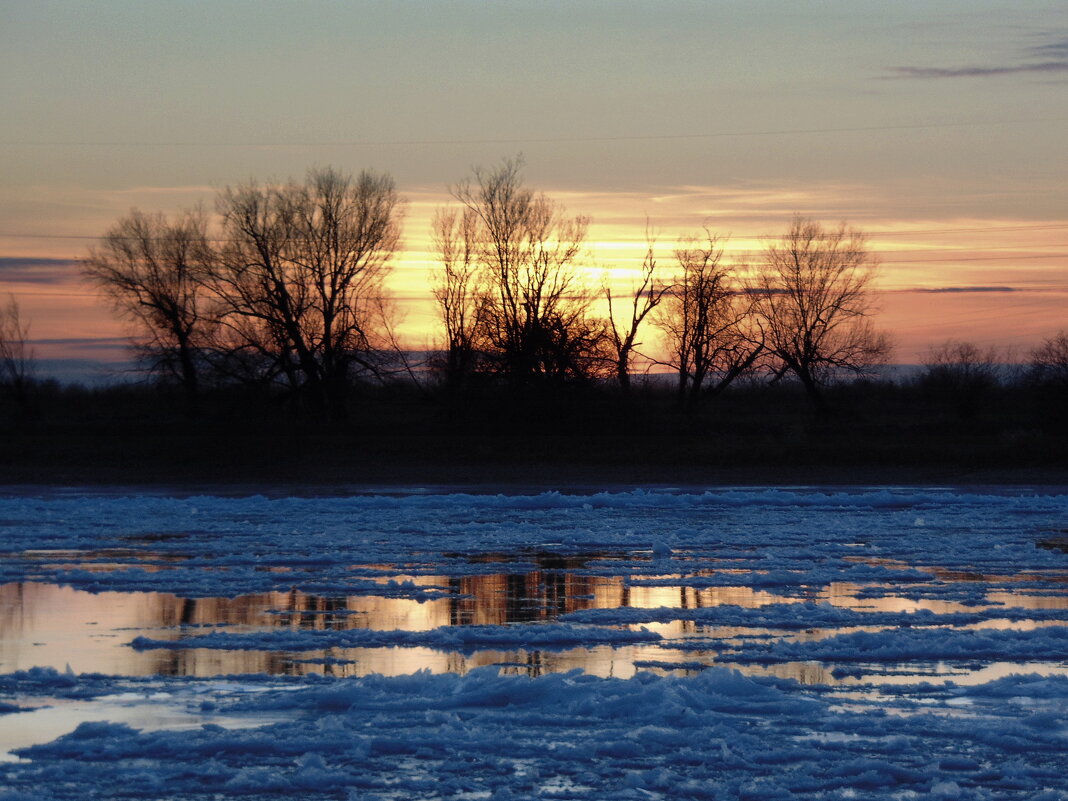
[680,396]
[819,402]
[623,373]
[190,382]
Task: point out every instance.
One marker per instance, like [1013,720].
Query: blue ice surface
[204,546]
[464,639]
[716,734]
[570,735]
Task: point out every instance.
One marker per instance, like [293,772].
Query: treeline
[932,426]
[285,289]
[281,298]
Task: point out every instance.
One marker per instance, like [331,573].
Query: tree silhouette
[961,373]
[812,294]
[460,293]
[300,279]
[645,296]
[706,317]
[151,269]
[1047,372]
[17,361]
[1049,362]
[509,269]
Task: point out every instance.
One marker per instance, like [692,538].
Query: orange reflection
[50,625]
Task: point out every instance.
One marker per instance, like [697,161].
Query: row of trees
[290,292]
[289,289]
[968,376]
[513,306]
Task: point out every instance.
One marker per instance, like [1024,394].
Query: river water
[728,579]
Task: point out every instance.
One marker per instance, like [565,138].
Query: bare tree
[708,322]
[962,373]
[533,317]
[963,362]
[17,360]
[300,280]
[151,270]
[1049,362]
[459,293]
[1047,375]
[812,292]
[646,295]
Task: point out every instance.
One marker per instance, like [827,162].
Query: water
[87,575]
[58,626]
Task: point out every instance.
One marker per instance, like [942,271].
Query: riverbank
[183,454]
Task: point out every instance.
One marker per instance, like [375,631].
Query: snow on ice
[846,581]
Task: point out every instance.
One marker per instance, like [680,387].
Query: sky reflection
[58,626]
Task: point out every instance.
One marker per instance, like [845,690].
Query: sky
[939,128]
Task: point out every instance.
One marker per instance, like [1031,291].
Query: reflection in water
[1029,601]
[846,594]
[50,625]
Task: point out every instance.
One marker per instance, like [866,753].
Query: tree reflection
[51,625]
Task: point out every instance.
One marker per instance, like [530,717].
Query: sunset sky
[939,128]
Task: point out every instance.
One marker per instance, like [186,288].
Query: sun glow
[996,281]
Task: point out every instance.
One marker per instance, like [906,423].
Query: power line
[926,231]
[944,320]
[902,232]
[972,248]
[994,229]
[977,258]
[532,139]
[966,231]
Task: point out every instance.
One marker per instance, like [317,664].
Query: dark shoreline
[321,462]
[1014,486]
[876,435]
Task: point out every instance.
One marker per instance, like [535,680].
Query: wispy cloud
[1044,67]
[956,289]
[1057,49]
[86,343]
[37,271]
[1048,58]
